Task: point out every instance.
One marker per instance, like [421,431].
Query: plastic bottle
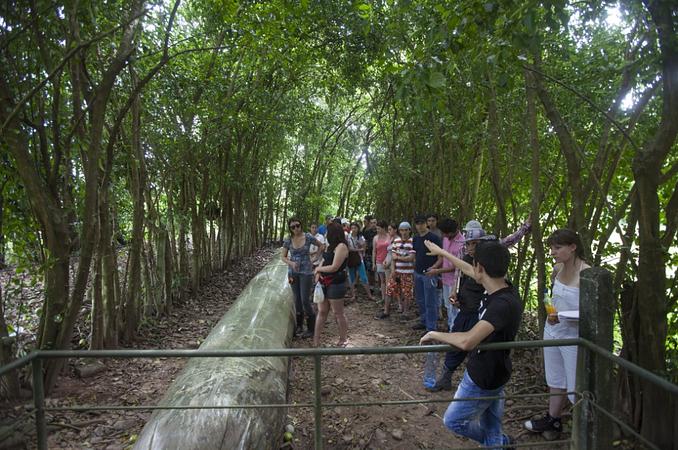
[548,303]
[430,369]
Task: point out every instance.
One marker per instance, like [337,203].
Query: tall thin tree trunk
[106,252]
[658,424]
[493,153]
[536,194]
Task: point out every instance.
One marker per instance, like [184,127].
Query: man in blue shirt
[322,229]
[425,285]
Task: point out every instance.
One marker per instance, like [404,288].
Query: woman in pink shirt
[453,243]
[380,245]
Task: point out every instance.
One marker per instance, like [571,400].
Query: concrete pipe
[261,318]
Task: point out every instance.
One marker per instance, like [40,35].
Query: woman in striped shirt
[400,283]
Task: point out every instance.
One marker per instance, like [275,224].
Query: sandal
[342,344]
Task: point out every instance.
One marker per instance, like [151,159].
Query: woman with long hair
[560,363]
[296,254]
[332,275]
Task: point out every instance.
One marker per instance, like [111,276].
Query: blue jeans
[479,420]
[452,311]
[426,293]
[302,287]
[360,270]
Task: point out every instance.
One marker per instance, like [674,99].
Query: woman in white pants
[560,363]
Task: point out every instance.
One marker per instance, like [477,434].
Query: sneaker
[307,334]
[444,383]
[419,326]
[382,315]
[545,424]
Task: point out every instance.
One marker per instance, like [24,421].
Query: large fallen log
[262,317]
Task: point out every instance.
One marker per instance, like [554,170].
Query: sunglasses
[295,225]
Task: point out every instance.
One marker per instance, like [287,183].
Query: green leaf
[364,10]
[436,80]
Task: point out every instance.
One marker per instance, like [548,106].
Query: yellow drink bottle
[548,303]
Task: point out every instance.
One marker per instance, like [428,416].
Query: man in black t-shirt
[487,371]
[425,284]
[469,296]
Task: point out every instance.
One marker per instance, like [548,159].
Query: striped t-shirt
[403,248]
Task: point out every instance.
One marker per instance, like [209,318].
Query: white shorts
[560,364]
[380,268]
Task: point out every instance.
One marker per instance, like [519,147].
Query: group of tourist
[462,271]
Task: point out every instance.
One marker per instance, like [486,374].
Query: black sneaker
[545,424]
[419,326]
[443,383]
[382,315]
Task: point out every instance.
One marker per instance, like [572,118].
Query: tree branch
[616,124]
[19,105]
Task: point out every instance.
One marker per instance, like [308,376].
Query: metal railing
[588,398]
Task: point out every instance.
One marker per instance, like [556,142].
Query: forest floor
[345,379]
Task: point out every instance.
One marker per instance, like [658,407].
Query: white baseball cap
[473,231]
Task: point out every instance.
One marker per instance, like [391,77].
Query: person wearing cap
[469,295]
[400,283]
[425,284]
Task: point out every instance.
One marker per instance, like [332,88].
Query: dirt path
[345,379]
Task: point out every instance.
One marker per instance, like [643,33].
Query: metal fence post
[317,409]
[39,402]
[590,431]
